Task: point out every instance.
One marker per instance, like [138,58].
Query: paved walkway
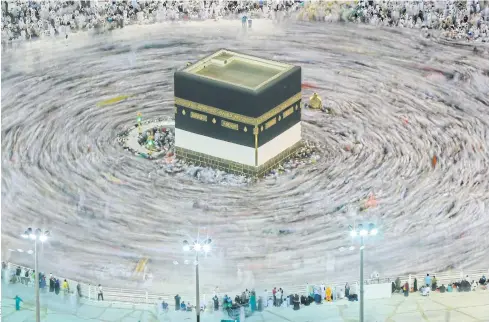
[466,307]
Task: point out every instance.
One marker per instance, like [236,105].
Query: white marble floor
[466,307]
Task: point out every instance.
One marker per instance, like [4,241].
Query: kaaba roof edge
[238,69]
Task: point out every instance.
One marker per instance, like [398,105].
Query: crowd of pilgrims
[26,277]
[39,19]
[456,19]
[249,301]
[318,294]
[431,285]
[54,285]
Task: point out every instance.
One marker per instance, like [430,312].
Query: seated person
[474,285]
[189,307]
[483,280]
[442,288]
[465,286]
[309,300]
[296,302]
[183,307]
[425,291]
[317,298]
[341,293]
[449,288]
[227,303]
[352,297]
[284,303]
[270,302]
[164,305]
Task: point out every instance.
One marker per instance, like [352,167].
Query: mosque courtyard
[466,307]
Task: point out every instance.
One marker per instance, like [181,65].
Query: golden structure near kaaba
[315,102]
[238,113]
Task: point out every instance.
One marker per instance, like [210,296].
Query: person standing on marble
[427,280]
[177,302]
[274,292]
[22,275]
[216,302]
[42,282]
[434,284]
[17,302]
[253,301]
[100,293]
[66,287]
[52,282]
[56,286]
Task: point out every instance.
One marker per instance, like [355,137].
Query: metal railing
[143,297]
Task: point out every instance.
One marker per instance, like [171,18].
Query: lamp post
[42,236]
[198,247]
[362,232]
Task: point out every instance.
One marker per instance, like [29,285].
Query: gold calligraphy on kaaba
[198,116]
[229,125]
[270,123]
[288,111]
[238,117]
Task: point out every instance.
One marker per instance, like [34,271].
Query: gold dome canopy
[315,102]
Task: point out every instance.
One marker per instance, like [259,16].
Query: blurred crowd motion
[37,19]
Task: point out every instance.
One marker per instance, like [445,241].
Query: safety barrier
[143,297]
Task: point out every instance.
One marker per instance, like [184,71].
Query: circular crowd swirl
[409,126]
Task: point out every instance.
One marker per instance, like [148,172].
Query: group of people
[323,293]
[245,303]
[431,285]
[27,277]
[39,19]
[457,19]
[249,301]
[179,305]
[53,285]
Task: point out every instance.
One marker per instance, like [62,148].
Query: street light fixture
[42,236]
[197,247]
[360,230]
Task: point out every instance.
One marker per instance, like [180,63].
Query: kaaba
[237,113]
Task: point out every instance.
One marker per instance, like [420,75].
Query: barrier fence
[90,292]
